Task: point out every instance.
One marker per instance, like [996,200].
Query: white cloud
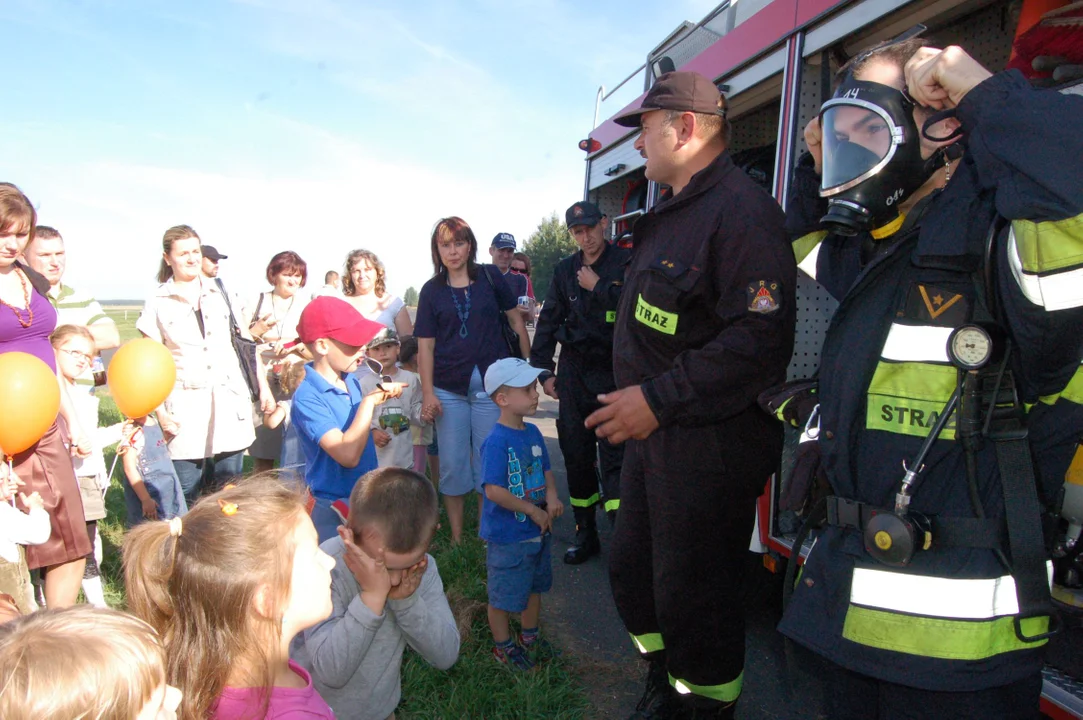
[113,215]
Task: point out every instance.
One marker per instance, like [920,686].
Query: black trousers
[677,559]
[578,399]
[852,696]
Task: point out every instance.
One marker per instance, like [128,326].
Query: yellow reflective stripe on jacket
[907,398]
[648,643]
[1046,259]
[611,505]
[958,598]
[726,692]
[805,244]
[588,502]
[939,637]
[1073,391]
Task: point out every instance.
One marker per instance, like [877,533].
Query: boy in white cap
[520,505]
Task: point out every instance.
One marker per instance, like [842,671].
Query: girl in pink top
[228,587]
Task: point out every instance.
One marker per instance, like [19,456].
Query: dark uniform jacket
[706,318]
[581,320]
[945,621]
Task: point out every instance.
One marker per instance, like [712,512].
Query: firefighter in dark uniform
[706,322]
[579,312]
[927,589]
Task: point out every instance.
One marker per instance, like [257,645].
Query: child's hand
[9,482]
[150,508]
[554,505]
[386,391]
[541,519]
[32,501]
[370,573]
[380,437]
[411,580]
[81,447]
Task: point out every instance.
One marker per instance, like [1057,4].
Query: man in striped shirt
[46,255]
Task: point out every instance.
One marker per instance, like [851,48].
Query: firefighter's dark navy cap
[683,91]
[582,213]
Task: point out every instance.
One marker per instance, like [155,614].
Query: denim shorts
[517,571]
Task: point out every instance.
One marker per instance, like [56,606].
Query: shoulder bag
[244,348]
[511,338]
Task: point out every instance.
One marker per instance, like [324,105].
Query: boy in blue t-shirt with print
[332,417]
[519,508]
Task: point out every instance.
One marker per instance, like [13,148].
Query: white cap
[512,372]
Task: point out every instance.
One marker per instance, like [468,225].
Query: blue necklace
[464,314]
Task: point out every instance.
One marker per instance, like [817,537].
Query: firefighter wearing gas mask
[943,204]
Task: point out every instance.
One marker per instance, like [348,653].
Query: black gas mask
[871,157]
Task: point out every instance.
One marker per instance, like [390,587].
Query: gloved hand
[792,403]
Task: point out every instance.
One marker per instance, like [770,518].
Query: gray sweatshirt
[355,656]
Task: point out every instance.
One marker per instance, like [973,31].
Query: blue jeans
[208,475]
[163,489]
[326,519]
[462,428]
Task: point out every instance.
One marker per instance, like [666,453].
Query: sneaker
[515,658]
[540,650]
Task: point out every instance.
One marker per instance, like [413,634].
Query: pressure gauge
[970,347]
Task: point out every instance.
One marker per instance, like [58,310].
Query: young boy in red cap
[332,417]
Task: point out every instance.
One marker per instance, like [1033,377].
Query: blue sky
[312,125]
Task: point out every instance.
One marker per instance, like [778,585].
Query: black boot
[586,538]
[707,711]
[659,701]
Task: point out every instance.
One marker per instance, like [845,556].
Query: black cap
[582,213]
[683,91]
[503,240]
[211,252]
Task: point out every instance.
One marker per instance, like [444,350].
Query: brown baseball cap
[681,90]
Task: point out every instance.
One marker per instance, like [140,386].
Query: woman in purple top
[459,334]
[26,320]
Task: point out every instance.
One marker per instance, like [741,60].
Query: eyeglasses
[76,354]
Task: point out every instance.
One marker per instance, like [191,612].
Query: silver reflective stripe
[916,343]
[936,596]
[1053,292]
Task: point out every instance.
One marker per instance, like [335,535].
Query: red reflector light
[590,145]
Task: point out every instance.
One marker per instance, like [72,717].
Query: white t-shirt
[396,416]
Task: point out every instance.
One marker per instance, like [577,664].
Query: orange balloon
[141,376]
[30,398]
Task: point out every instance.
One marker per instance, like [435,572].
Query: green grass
[476,687]
[125,319]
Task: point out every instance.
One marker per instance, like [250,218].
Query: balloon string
[115,458]
[11,471]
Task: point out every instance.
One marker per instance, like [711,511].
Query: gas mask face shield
[871,157]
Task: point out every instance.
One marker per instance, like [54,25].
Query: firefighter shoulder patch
[937,306]
[761,296]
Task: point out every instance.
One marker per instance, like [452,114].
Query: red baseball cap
[332,317]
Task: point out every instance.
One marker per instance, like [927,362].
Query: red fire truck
[775,60]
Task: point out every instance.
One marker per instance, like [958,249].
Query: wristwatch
[545,375]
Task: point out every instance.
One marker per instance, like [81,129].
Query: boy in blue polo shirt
[332,417]
[519,508]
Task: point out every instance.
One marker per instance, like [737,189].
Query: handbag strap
[485,271]
[233,326]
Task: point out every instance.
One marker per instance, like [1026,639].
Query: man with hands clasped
[386,593]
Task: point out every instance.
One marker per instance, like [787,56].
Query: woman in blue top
[459,334]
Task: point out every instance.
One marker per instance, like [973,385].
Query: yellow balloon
[30,398]
[141,376]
